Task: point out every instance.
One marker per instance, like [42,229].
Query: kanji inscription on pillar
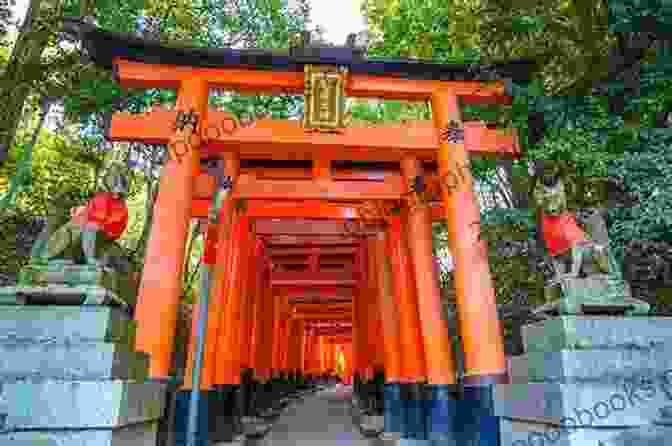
[185,119]
[452,133]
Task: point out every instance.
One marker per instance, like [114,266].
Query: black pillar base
[182,401]
[379,392]
[231,397]
[220,415]
[265,398]
[415,423]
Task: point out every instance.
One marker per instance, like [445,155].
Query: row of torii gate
[295,278]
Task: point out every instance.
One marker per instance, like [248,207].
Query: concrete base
[615,365]
[372,425]
[254,427]
[587,404]
[69,375]
[596,332]
[59,324]
[90,361]
[596,380]
[522,433]
[80,404]
[143,434]
[60,295]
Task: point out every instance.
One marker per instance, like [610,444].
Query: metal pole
[192,426]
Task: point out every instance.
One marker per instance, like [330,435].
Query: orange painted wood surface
[247,301]
[230,345]
[389,312]
[224,281]
[291,209]
[218,296]
[138,75]
[258,321]
[307,227]
[161,283]
[438,353]
[323,316]
[264,362]
[413,367]
[252,188]
[481,330]
[287,140]
[279,253]
[372,308]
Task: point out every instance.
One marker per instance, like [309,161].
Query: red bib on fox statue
[558,225]
[107,210]
[561,232]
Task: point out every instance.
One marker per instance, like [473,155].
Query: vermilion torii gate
[382,279]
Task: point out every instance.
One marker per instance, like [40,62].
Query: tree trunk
[24,69]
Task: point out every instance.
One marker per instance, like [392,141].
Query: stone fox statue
[573,251]
[88,236]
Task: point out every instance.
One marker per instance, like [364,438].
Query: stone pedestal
[589,379]
[594,294]
[69,376]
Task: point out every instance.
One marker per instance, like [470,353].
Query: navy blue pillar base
[476,416]
[415,425]
[441,414]
[393,408]
[182,399]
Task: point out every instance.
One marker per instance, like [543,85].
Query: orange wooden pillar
[413,368]
[372,314]
[388,310]
[296,328]
[331,357]
[220,277]
[275,358]
[247,293]
[299,346]
[284,335]
[437,344]
[261,309]
[480,328]
[228,361]
[359,325]
[315,355]
[161,284]
[347,369]
[323,355]
[225,269]
[309,351]
[264,355]
[278,315]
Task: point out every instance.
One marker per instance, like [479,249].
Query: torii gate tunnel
[302,269]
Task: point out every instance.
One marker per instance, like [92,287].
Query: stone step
[606,366]
[61,323]
[142,434]
[84,361]
[526,433]
[588,404]
[80,404]
[596,332]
